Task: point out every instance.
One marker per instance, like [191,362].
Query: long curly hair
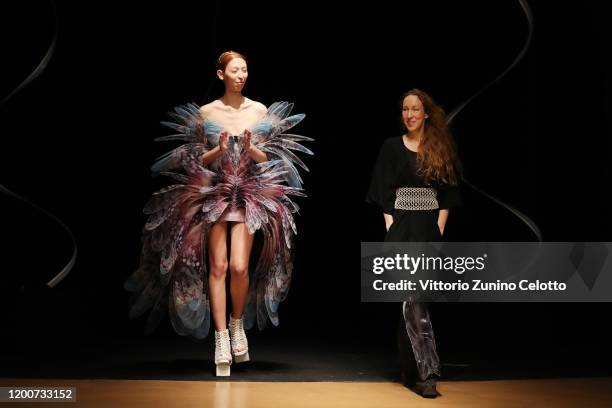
[437,155]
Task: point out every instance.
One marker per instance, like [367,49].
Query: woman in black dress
[415,182]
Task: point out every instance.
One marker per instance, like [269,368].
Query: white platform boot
[223,355]
[240,345]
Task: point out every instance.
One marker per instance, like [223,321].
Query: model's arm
[215,152]
[442,217]
[448,196]
[256,154]
[211,155]
[388,220]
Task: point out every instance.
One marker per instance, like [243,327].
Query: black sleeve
[450,195]
[381,192]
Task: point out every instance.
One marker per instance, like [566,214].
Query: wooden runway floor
[582,392]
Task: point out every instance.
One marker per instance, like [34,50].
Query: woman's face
[235,75]
[413,113]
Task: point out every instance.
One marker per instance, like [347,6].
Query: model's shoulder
[390,148]
[207,109]
[392,142]
[258,106]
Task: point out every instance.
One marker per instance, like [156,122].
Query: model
[239,172]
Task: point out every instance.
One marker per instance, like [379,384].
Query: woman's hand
[442,217]
[247,140]
[388,220]
[223,141]
[256,154]
[217,151]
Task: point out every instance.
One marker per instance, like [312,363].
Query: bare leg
[241,245]
[217,251]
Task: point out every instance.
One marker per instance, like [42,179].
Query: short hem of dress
[233,215]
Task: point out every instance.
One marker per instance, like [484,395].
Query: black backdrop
[79,142]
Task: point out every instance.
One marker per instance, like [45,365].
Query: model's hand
[442,217]
[247,140]
[223,141]
[388,220]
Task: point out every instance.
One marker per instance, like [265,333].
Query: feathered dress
[172,275]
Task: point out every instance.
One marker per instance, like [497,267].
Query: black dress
[398,190]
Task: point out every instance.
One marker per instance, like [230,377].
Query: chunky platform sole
[242,358]
[223,370]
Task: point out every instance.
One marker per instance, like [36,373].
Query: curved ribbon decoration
[44,62]
[524,218]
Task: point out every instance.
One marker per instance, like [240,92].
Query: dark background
[78,141]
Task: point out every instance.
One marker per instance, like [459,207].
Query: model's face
[413,113]
[235,75]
